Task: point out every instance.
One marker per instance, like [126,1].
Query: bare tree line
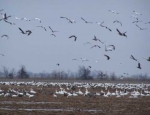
[83,73]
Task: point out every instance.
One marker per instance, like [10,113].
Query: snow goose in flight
[117,22]
[147,23]
[137,13]
[28,32]
[87,43]
[141,28]
[73,36]
[5,36]
[70,21]
[109,48]
[22,31]
[107,57]
[2,54]
[113,11]
[100,23]
[148,59]
[17,18]
[57,64]
[53,35]
[139,66]
[5,17]
[96,46]
[85,20]
[26,19]
[121,34]
[84,59]
[52,30]
[9,22]
[137,20]
[37,19]
[42,27]
[132,57]
[105,26]
[96,39]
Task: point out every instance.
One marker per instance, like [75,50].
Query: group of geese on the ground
[5,18]
[75,89]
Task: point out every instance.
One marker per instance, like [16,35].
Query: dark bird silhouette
[147,23]
[87,43]
[53,35]
[73,36]
[9,22]
[52,30]
[1,10]
[2,54]
[109,48]
[96,46]
[5,17]
[28,32]
[85,20]
[137,20]
[139,66]
[107,57]
[117,22]
[57,64]
[70,21]
[105,26]
[38,19]
[42,27]
[90,67]
[96,39]
[22,31]
[132,57]
[137,13]
[121,34]
[141,28]
[148,59]
[5,36]
[113,11]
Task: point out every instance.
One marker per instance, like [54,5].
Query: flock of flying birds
[5,18]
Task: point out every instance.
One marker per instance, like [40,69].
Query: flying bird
[17,18]
[100,23]
[87,43]
[53,35]
[132,57]
[22,31]
[9,22]
[2,54]
[113,11]
[84,59]
[85,20]
[141,28]
[38,19]
[148,59]
[147,23]
[52,30]
[107,57]
[96,46]
[74,59]
[42,27]
[1,10]
[5,36]
[28,32]
[26,19]
[90,67]
[117,22]
[121,34]
[5,17]
[96,39]
[137,20]
[137,13]
[57,64]
[105,26]
[70,21]
[73,36]
[139,66]
[109,48]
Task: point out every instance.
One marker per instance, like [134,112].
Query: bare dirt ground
[43,103]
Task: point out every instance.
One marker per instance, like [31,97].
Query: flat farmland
[63,98]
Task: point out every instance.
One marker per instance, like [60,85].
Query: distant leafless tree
[112,76]
[6,72]
[84,73]
[12,73]
[22,73]
[100,75]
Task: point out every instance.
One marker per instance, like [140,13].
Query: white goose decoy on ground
[54,95]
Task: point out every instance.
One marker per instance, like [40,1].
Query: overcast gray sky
[41,52]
